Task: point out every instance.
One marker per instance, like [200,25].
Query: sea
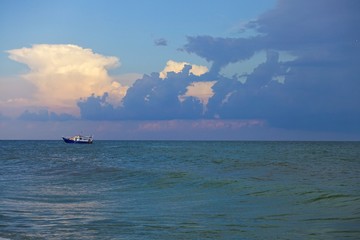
[179,190]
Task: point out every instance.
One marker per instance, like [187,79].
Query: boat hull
[68,140]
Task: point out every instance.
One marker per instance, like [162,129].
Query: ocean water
[179,190]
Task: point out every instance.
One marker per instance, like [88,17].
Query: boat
[78,139]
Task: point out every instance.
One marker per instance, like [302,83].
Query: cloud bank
[316,89]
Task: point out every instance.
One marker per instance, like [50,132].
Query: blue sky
[126,29]
[244,70]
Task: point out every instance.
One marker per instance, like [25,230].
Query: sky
[180,70]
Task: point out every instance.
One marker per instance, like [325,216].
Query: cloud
[127,79]
[15,93]
[199,90]
[160,42]
[313,90]
[62,74]
[196,125]
[227,124]
[318,30]
[221,51]
[304,26]
[316,89]
[176,67]
[182,93]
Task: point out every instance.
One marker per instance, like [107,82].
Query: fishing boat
[78,139]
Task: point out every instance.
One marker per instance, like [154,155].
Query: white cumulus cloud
[200,90]
[172,66]
[62,74]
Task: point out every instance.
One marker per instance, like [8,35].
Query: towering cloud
[62,74]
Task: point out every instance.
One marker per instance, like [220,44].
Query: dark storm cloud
[317,30]
[321,84]
[96,108]
[150,98]
[299,25]
[221,51]
[319,89]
